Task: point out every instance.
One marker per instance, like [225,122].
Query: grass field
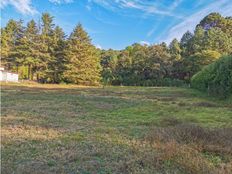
[70,129]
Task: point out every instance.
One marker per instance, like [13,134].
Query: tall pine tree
[57,63]
[45,49]
[32,59]
[83,66]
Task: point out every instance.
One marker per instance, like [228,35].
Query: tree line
[41,51]
[173,64]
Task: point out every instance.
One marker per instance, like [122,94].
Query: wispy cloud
[144,42]
[224,7]
[22,6]
[144,6]
[60,1]
[171,8]
[175,4]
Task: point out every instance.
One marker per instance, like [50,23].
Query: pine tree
[45,49]
[175,49]
[5,47]
[18,49]
[9,38]
[186,44]
[32,58]
[57,63]
[83,66]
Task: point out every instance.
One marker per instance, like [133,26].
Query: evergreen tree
[186,43]
[10,36]
[18,50]
[57,63]
[31,44]
[45,49]
[175,50]
[83,64]
[5,47]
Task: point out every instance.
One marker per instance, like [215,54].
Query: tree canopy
[41,51]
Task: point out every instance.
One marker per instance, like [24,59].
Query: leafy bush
[216,78]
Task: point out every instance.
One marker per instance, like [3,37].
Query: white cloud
[60,1]
[224,7]
[144,42]
[173,6]
[98,46]
[148,7]
[22,6]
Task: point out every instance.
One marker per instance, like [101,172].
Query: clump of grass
[170,121]
[182,104]
[184,145]
[212,140]
[205,104]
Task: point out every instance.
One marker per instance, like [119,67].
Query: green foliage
[82,65]
[152,65]
[175,50]
[213,33]
[137,65]
[186,43]
[197,61]
[216,78]
[41,51]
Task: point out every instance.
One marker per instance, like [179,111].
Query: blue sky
[119,23]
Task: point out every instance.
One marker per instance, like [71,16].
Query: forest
[43,52]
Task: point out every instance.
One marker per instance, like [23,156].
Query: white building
[8,76]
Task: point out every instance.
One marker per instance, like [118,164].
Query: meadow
[91,130]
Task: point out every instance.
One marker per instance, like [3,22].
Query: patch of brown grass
[25,132]
[184,145]
[208,139]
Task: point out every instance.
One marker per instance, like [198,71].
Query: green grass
[71,129]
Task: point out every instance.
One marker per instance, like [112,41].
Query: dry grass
[72,129]
[194,148]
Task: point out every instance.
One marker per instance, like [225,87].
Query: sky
[119,23]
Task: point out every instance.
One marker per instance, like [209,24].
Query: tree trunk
[32,75]
[29,72]
[37,77]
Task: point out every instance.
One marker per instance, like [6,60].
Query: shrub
[216,78]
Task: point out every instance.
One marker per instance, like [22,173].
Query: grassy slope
[69,129]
